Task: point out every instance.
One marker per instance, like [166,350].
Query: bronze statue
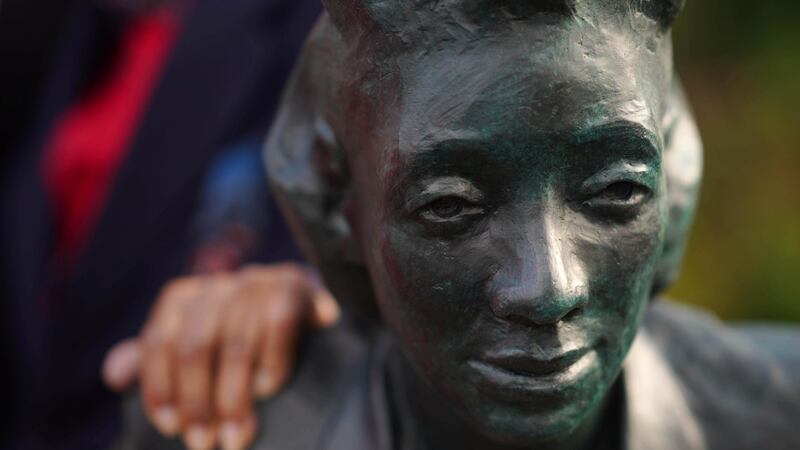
[497,192]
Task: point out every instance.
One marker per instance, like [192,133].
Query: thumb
[121,366]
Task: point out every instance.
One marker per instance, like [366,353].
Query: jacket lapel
[658,416]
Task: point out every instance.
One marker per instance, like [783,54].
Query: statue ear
[307,169]
[683,167]
[663,11]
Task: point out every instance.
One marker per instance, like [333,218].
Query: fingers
[239,341]
[238,435]
[269,305]
[282,318]
[234,384]
[158,342]
[195,357]
[215,341]
[121,366]
[157,384]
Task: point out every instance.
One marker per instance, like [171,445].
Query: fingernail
[231,436]
[166,420]
[326,309]
[121,366]
[264,384]
[198,437]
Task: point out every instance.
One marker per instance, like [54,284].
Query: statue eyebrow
[622,129]
[448,155]
[455,156]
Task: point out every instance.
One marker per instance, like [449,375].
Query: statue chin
[521,426]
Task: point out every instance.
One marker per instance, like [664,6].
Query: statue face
[511,213]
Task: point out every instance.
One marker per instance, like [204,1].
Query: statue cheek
[434,285]
[621,270]
[627,254]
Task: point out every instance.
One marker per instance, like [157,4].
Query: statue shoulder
[742,383]
[298,416]
[779,341]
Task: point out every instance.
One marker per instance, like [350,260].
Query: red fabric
[92,137]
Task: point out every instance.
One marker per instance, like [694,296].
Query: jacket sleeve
[137,433]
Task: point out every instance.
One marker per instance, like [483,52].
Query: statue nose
[544,280]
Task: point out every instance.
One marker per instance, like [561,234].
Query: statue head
[504,184]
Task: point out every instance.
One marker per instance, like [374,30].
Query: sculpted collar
[656,406]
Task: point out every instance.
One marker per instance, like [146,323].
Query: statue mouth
[542,364]
[520,376]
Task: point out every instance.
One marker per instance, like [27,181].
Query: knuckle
[154,337]
[282,313]
[228,405]
[217,286]
[237,348]
[192,346]
[222,278]
[195,408]
[178,287]
[250,282]
[268,282]
[255,274]
[294,273]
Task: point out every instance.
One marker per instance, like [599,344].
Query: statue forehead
[554,85]
[566,51]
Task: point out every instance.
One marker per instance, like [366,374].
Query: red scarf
[92,137]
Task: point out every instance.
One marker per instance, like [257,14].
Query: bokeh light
[739,61]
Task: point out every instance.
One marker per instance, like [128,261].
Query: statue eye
[621,191]
[618,197]
[449,209]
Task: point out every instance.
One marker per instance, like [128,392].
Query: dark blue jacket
[221,84]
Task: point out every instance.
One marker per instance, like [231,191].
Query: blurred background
[739,61]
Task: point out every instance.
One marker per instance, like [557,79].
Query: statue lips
[518,376]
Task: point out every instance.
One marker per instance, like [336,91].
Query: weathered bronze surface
[506,186]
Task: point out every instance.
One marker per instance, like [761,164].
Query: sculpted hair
[404,19]
[662,11]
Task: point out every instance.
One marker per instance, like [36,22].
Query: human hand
[213,344]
